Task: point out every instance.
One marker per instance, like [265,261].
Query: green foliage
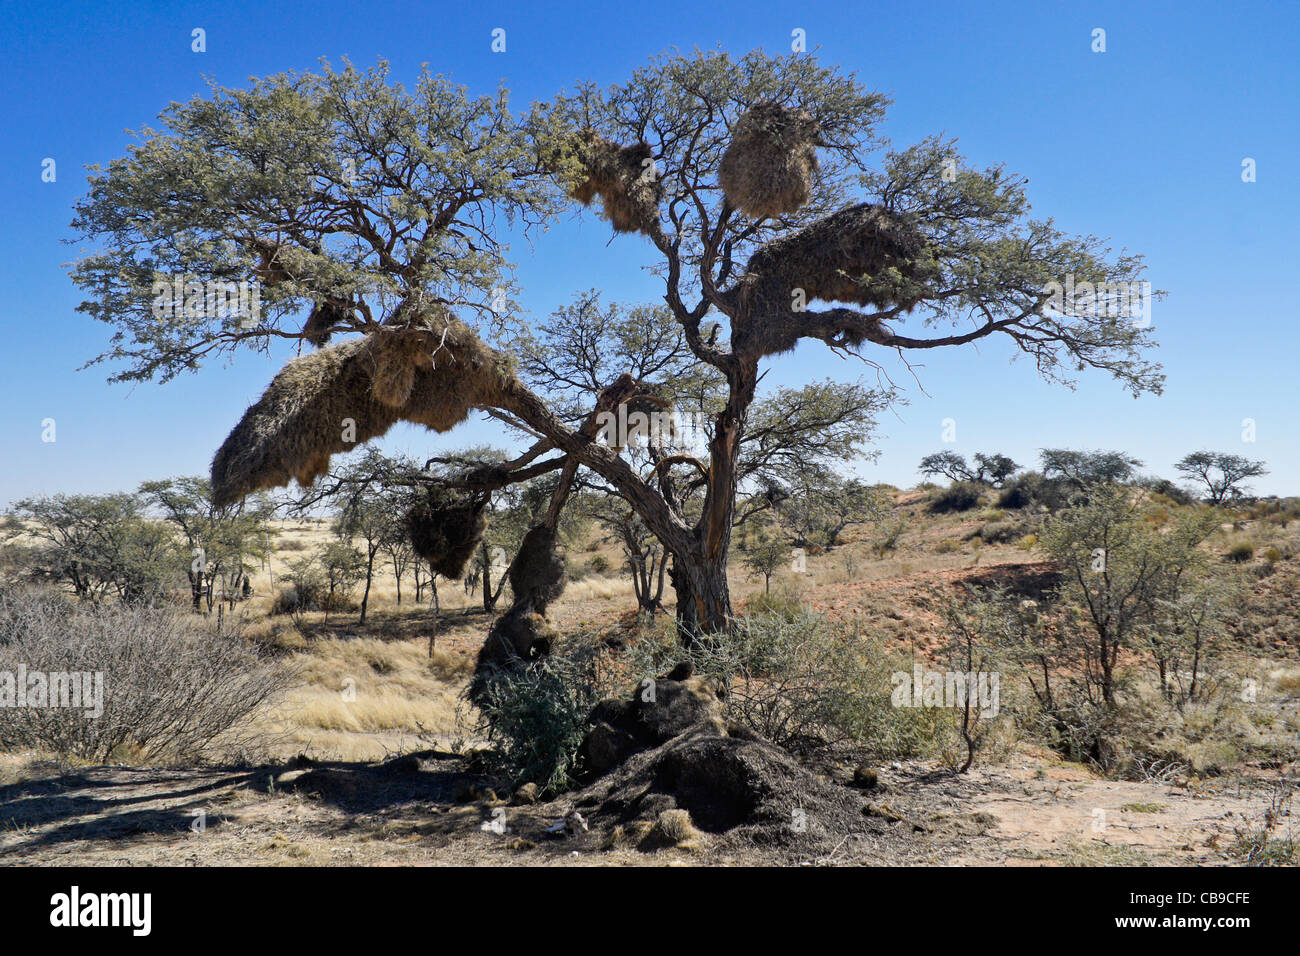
[1032,490]
[1119,569]
[101,545]
[535,719]
[1082,469]
[218,539]
[805,685]
[990,469]
[305,159]
[766,557]
[959,496]
[1222,475]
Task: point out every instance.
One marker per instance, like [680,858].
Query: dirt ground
[422,810]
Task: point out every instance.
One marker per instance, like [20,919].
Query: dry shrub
[172,688]
[768,168]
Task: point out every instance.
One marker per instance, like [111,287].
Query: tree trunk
[370,574]
[700,576]
[703,598]
[437,609]
[488,601]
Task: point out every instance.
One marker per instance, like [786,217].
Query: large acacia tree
[381,211]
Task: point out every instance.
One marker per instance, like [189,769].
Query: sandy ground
[419,811]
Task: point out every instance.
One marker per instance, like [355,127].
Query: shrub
[1032,490]
[806,685]
[535,719]
[785,602]
[1164,488]
[946,546]
[997,532]
[1028,542]
[891,532]
[171,686]
[1241,552]
[959,496]
[1272,555]
[292,600]
[598,565]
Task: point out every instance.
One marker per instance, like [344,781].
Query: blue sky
[1143,143]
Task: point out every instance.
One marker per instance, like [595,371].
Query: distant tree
[396,546]
[343,567]
[994,469]
[1083,468]
[1120,570]
[99,545]
[991,469]
[818,506]
[216,539]
[647,563]
[1221,474]
[949,464]
[765,558]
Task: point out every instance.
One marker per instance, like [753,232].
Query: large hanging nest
[538,575]
[768,167]
[624,177]
[522,635]
[445,529]
[862,255]
[518,638]
[322,320]
[328,402]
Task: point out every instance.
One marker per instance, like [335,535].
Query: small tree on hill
[1080,469]
[1221,474]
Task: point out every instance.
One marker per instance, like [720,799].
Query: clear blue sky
[1143,143]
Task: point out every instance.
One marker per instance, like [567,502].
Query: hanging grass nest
[320,324]
[445,529]
[518,638]
[862,255]
[538,575]
[523,635]
[624,177]
[769,165]
[342,396]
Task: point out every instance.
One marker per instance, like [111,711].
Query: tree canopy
[382,212]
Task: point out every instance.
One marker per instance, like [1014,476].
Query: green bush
[598,565]
[535,720]
[959,496]
[784,602]
[1032,490]
[806,685]
[1241,553]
